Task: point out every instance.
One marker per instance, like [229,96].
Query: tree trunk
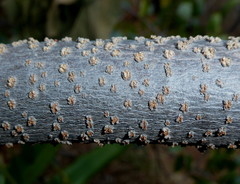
[167,90]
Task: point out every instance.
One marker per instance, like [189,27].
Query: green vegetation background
[20,19]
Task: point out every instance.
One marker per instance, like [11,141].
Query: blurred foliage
[20,19]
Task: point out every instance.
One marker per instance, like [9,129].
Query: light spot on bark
[26,137]
[84,137]
[9,145]
[118,140]
[33,43]
[152,104]
[168,69]
[54,107]
[14,133]
[94,50]
[31,121]
[7,93]
[44,74]
[131,134]
[184,107]
[190,134]
[206,96]
[198,117]
[182,45]
[67,39]
[108,46]
[89,121]
[71,76]
[203,88]
[126,75]
[65,51]
[19,43]
[42,87]
[64,134]
[144,124]
[6,125]
[114,120]
[235,97]
[232,146]
[24,114]
[39,65]
[32,94]
[205,67]
[77,88]
[166,90]
[146,82]
[208,133]
[141,92]
[127,103]
[60,119]
[85,53]
[160,98]
[115,53]
[165,133]
[56,126]
[108,129]
[227,104]
[196,49]
[63,68]
[56,83]
[139,56]
[93,61]
[143,138]
[179,119]
[229,120]
[113,88]
[146,66]
[90,133]
[126,63]
[19,128]
[233,44]
[219,83]
[208,52]
[133,84]
[109,69]
[106,114]
[71,100]
[33,79]
[169,54]
[99,42]
[11,104]
[11,82]
[167,123]
[28,62]
[225,62]
[221,132]
[3,48]
[101,81]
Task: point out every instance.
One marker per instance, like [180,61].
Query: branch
[167,90]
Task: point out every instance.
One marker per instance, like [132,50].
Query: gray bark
[158,90]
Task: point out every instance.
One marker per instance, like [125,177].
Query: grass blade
[87,165]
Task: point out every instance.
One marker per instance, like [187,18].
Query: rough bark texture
[161,90]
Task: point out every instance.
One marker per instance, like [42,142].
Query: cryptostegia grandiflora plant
[168,90]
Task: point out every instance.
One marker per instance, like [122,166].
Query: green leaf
[97,19]
[143,8]
[215,23]
[4,173]
[185,10]
[2,179]
[27,167]
[87,165]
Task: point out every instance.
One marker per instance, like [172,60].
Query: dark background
[20,19]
